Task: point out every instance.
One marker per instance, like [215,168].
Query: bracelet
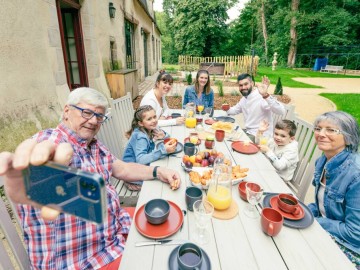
[266,95]
[155,171]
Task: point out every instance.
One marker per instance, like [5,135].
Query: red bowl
[242,190]
[199,120]
[225,107]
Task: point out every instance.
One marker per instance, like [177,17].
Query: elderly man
[256,106]
[62,241]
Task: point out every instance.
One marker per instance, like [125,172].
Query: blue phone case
[67,189]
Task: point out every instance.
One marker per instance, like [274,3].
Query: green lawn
[346,102]
[287,75]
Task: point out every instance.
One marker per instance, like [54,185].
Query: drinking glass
[203,211]
[200,107]
[254,193]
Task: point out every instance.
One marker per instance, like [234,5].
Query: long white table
[238,243]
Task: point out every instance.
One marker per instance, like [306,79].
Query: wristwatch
[155,171]
[266,95]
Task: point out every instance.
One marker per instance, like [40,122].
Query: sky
[233,12]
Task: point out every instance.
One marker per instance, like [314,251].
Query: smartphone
[67,189]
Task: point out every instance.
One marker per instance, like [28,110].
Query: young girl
[141,146]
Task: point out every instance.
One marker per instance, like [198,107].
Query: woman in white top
[156,99]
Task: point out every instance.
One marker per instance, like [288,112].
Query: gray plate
[179,147]
[297,224]
[224,119]
[173,264]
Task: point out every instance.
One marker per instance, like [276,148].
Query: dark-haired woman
[200,93]
[156,99]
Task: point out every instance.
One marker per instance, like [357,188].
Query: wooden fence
[233,65]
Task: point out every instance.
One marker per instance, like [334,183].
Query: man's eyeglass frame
[101,118]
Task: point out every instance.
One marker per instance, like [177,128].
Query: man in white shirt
[257,105]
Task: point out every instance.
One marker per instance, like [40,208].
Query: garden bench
[330,68]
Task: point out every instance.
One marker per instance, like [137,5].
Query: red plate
[169,227]
[187,139]
[274,204]
[210,121]
[240,147]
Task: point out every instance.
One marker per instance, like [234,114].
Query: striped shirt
[69,242]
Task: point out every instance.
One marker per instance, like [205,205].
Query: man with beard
[256,106]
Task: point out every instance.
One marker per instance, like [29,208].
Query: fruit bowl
[203,158]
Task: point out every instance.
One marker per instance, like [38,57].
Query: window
[72,42]
[129,43]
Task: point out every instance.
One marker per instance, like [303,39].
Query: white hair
[89,96]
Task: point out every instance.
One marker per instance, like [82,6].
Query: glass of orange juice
[263,140]
[190,122]
[200,108]
[194,139]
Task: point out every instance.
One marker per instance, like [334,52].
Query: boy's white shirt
[284,158]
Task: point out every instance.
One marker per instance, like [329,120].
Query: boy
[282,149]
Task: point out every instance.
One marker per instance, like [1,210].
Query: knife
[159,242]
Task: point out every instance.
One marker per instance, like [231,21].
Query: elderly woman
[337,181]
[156,99]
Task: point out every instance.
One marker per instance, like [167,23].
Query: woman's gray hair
[89,96]
[347,124]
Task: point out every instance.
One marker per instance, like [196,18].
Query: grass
[287,75]
[346,102]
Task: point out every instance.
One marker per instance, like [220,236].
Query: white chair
[289,114]
[123,110]
[14,240]
[308,153]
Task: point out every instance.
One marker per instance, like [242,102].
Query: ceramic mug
[192,194]
[189,256]
[219,135]
[271,221]
[190,149]
[288,204]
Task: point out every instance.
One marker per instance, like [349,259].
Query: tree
[293,33]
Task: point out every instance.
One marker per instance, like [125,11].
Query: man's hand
[169,176]
[263,88]
[30,152]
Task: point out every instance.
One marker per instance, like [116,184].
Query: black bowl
[175,115]
[157,211]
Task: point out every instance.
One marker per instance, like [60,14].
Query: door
[72,42]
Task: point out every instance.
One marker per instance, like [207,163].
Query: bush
[278,88]
[219,84]
[189,78]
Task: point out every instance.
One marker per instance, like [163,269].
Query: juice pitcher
[190,120]
[219,193]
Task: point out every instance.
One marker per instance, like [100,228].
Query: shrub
[189,78]
[219,84]
[278,88]
[235,93]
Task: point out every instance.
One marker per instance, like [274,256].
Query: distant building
[49,47]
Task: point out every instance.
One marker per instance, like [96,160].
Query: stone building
[49,47]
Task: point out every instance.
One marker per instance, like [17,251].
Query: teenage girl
[141,146]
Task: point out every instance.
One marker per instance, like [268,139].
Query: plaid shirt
[69,242]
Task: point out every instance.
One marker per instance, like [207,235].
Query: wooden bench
[330,68]
[12,251]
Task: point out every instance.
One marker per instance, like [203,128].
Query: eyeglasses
[327,131]
[88,114]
